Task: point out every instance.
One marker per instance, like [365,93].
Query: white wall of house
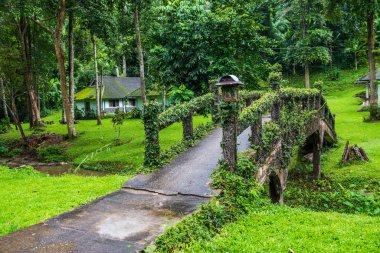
[81,104]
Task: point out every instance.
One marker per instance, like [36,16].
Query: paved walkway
[130,219]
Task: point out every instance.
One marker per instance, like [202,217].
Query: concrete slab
[124,221]
[190,172]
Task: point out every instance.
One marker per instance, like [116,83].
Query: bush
[240,194]
[5,126]
[334,74]
[83,114]
[374,113]
[3,151]
[6,152]
[52,154]
[135,113]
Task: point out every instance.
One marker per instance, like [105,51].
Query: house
[365,80]
[116,92]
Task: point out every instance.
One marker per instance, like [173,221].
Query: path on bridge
[130,219]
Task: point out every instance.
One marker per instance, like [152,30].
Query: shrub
[374,113]
[3,151]
[135,113]
[240,194]
[52,154]
[83,114]
[333,74]
[117,121]
[5,126]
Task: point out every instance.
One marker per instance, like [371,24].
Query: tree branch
[41,24]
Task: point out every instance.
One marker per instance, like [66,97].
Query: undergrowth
[240,193]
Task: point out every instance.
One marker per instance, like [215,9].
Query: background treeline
[49,49]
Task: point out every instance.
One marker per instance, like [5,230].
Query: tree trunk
[62,70]
[25,41]
[14,113]
[140,53]
[98,113]
[371,61]
[71,63]
[307,75]
[356,62]
[124,66]
[331,56]
[3,98]
[294,69]
[164,98]
[117,71]
[63,120]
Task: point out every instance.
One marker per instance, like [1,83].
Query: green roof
[137,93]
[113,88]
[87,93]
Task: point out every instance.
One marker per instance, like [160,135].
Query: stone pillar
[187,125]
[229,109]
[152,144]
[229,123]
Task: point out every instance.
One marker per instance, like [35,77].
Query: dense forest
[49,49]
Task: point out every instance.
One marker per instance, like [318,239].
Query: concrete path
[130,219]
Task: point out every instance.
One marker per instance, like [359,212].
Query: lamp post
[229,111]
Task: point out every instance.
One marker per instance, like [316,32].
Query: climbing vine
[250,114]
[155,120]
[181,111]
[152,146]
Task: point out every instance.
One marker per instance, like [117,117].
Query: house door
[87,106]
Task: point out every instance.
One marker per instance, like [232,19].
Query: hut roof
[113,88]
[365,78]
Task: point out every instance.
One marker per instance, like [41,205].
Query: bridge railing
[291,110]
[155,120]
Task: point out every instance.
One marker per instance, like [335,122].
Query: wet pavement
[130,219]
[189,173]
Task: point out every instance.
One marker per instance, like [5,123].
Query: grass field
[92,139]
[29,197]
[278,229]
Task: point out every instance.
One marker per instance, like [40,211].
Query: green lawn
[278,229]
[92,138]
[29,197]
[350,127]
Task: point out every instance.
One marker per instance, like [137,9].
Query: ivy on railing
[155,120]
[252,113]
[181,111]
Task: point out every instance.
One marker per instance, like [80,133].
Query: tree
[194,42]
[96,82]
[61,64]
[139,50]
[309,36]
[71,61]
[355,47]
[3,98]
[117,121]
[364,11]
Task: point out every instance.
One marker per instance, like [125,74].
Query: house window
[114,103]
[132,102]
